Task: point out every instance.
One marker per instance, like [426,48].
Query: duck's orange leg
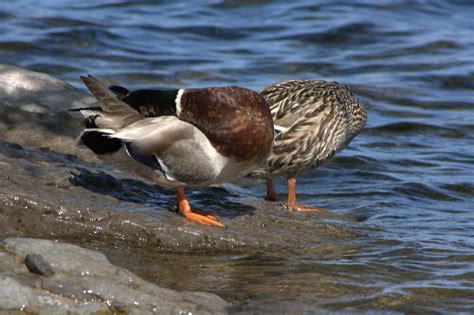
[271,193]
[198,216]
[292,205]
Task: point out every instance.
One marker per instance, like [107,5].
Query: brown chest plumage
[236,121]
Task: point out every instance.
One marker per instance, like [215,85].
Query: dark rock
[36,264]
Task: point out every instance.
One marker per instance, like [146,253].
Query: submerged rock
[83,281]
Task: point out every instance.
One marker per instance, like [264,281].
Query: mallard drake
[179,138]
[313,120]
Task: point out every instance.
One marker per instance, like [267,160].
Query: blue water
[408,178]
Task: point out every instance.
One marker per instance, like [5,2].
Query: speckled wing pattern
[313,119]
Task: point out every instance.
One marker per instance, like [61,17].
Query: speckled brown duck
[313,121]
[180,138]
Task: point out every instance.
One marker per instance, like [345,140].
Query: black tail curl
[99,142]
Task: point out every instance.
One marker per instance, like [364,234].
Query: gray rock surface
[33,110]
[83,281]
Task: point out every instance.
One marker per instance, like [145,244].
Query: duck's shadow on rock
[217,200]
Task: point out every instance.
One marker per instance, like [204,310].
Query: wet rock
[37,92]
[33,110]
[17,296]
[36,264]
[8,265]
[83,281]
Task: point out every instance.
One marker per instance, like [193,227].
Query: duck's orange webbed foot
[195,215]
[198,216]
[293,206]
[302,208]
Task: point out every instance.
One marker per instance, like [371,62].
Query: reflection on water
[408,178]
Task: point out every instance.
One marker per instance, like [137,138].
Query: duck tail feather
[119,91]
[99,141]
[80,109]
[110,104]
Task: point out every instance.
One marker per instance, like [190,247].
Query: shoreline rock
[83,281]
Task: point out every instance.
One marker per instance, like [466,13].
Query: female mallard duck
[180,138]
[313,120]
